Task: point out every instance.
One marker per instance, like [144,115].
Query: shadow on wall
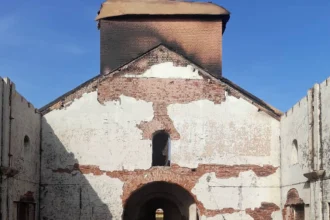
[68,194]
[141,35]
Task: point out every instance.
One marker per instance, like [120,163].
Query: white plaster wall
[295,126]
[95,197]
[233,132]
[20,118]
[247,191]
[106,135]
[308,122]
[169,71]
[234,216]
[94,134]
[26,122]
[25,159]
[325,118]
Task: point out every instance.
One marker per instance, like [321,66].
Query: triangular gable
[146,66]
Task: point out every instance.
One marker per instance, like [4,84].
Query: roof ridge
[270,110]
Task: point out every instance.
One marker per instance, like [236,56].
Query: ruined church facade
[160,133]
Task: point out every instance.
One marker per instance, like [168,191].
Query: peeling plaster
[168,71]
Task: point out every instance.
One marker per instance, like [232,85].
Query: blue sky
[276,50]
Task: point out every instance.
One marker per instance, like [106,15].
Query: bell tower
[130,28]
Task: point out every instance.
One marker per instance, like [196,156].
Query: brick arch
[168,192]
[293,198]
[294,206]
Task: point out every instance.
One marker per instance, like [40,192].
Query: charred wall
[198,38]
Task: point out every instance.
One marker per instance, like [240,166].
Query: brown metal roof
[112,8]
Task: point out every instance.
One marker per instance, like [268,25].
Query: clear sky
[276,50]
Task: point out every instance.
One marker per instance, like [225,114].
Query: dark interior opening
[159,214]
[160,149]
[25,211]
[299,212]
[173,200]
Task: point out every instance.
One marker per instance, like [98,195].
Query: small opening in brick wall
[161,149]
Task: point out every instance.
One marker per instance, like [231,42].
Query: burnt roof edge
[224,18]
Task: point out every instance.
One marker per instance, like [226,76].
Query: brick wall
[124,39]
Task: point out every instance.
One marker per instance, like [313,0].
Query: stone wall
[20,151]
[305,154]
[96,148]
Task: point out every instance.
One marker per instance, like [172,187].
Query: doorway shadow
[175,202]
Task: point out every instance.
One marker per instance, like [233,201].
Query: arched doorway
[174,201]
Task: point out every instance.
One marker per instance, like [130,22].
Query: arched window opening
[161,149]
[26,141]
[159,215]
[294,152]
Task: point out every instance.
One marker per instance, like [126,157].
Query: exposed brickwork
[158,55]
[125,39]
[294,206]
[293,198]
[161,92]
[264,212]
[161,54]
[161,121]
[184,177]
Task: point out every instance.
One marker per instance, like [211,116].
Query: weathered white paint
[233,132]
[103,135]
[96,134]
[168,70]
[243,192]
[234,216]
[325,140]
[18,118]
[277,215]
[94,197]
[295,126]
[308,122]
[106,135]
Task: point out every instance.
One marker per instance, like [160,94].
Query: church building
[162,134]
